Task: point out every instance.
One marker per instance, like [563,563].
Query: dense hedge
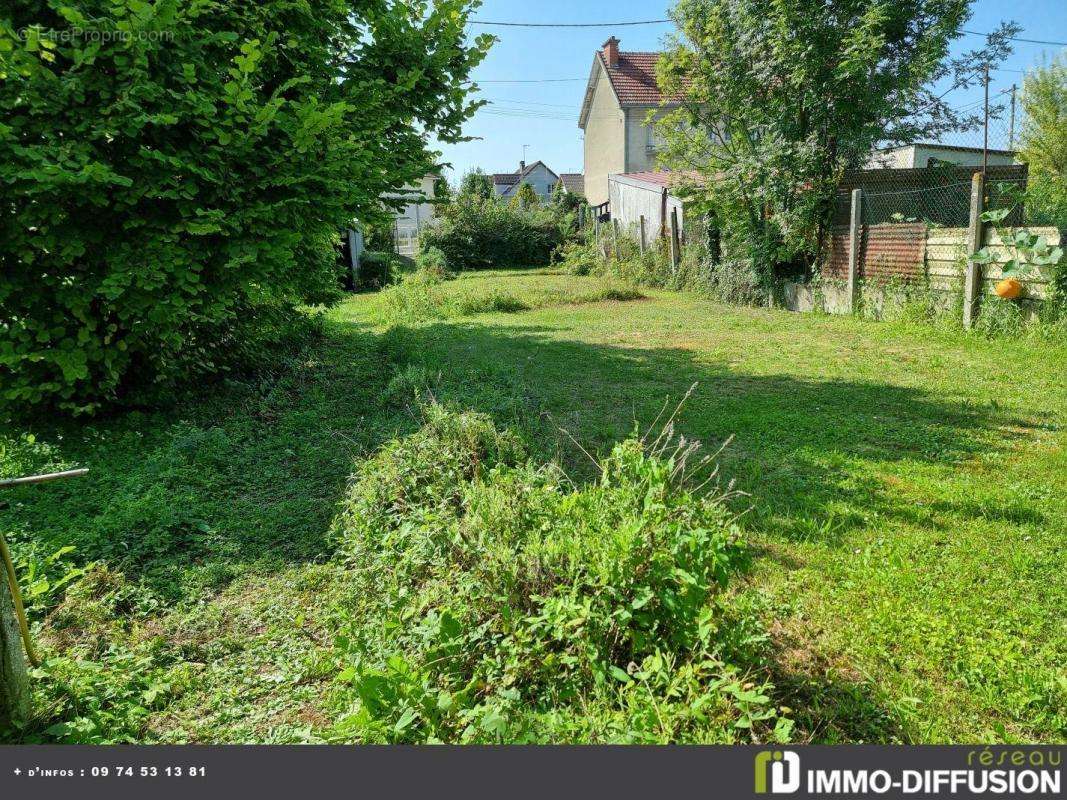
[171,170]
[476,234]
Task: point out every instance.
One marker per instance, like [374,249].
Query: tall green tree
[174,173]
[1043,141]
[780,96]
[442,192]
[475,185]
[525,197]
[1043,146]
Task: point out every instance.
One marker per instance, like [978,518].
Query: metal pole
[985,127]
[1011,125]
[52,476]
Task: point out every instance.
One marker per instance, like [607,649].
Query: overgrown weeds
[503,602]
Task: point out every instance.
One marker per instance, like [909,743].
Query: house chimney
[522,166]
[611,52]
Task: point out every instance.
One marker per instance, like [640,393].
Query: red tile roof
[634,78]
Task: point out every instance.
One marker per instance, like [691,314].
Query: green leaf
[619,674]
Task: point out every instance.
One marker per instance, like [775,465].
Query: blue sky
[545,115]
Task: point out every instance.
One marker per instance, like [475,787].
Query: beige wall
[605,141]
[917,156]
[638,156]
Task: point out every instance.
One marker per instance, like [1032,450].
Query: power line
[569,24]
[533,80]
[1017,39]
[631,23]
[497,100]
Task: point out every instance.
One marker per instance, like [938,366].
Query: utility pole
[985,126]
[1011,125]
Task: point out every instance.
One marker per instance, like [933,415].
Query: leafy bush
[432,260]
[417,297]
[165,186]
[578,258]
[525,197]
[498,601]
[377,270]
[475,234]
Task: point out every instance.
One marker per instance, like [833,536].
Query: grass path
[908,492]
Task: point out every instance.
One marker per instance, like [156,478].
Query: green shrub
[495,301]
[432,260]
[166,186]
[578,258]
[498,601]
[477,234]
[417,297]
[377,270]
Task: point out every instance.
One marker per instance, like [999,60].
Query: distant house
[926,154]
[539,176]
[416,211]
[622,89]
[572,183]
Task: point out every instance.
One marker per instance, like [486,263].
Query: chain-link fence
[937,196]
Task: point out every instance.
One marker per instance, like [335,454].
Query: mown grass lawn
[908,492]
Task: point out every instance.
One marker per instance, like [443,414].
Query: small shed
[634,195]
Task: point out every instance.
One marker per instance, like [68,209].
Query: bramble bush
[175,171]
[504,603]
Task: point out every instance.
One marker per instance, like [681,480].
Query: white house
[537,174]
[926,154]
[416,212]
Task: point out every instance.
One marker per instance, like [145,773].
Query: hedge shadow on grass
[794,439]
[245,477]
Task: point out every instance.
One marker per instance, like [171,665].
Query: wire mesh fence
[937,196]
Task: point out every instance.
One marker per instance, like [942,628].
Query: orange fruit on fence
[1009,289]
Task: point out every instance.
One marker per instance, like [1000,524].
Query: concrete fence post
[676,247]
[615,238]
[641,235]
[14,680]
[355,253]
[972,276]
[855,241]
